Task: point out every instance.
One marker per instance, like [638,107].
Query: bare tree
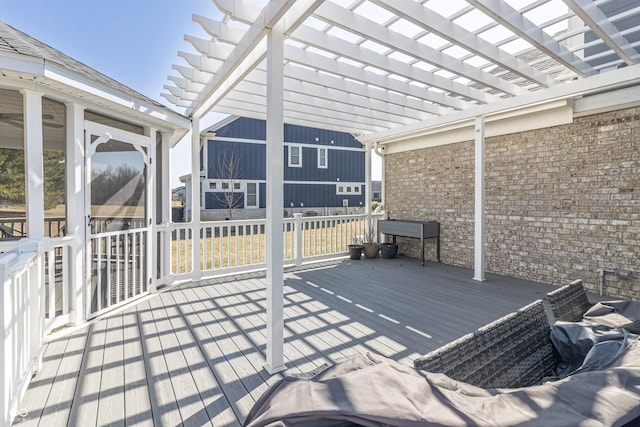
[229,172]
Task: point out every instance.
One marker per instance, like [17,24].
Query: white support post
[33,162]
[478,265]
[275,199]
[151,240]
[297,239]
[75,221]
[196,274]
[5,343]
[367,177]
[165,266]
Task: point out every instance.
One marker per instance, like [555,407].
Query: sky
[134,42]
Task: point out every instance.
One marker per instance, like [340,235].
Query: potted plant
[388,250]
[371,247]
[355,249]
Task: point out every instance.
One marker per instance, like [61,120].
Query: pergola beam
[420,15]
[509,17]
[370,30]
[314,60]
[360,96]
[341,48]
[252,48]
[588,11]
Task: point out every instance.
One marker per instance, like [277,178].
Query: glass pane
[252,194]
[118,189]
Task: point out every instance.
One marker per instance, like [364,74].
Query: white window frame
[348,189]
[326,157]
[246,195]
[290,163]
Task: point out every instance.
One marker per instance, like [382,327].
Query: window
[322,158]
[236,185]
[213,185]
[252,195]
[225,185]
[348,189]
[295,156]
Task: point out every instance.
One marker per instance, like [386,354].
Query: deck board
[111,397]
[136,391]
[194,353]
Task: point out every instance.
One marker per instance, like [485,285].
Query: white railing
[118,268]
[57,282]
[22,322]
[236,246]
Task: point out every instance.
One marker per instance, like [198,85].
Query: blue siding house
[322,168]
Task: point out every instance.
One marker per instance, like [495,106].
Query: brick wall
[561,202]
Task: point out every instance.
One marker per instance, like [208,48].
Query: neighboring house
[178,194]
[323,169]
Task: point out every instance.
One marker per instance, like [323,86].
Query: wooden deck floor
[193,355]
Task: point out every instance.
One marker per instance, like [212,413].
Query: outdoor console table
[416,229]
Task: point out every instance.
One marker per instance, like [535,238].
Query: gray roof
[15,41]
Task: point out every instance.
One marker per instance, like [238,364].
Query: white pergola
[391,70]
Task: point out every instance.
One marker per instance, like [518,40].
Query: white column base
[273,371]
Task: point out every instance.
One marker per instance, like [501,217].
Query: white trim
[264,181]
[559,113]
[289,156]
[326,157]
[286,143]
[516,105]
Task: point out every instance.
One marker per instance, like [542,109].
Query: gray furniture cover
[371,390]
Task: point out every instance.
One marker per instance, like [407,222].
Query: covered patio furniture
[569,302]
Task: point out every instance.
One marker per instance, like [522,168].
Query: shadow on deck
[194,354]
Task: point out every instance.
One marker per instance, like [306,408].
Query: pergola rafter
[506,15]
[600,24]
[399,63]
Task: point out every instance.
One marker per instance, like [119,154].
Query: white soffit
[387,70]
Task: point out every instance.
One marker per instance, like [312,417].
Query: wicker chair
[569,302]
[513,351]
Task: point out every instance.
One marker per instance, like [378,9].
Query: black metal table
[410,228]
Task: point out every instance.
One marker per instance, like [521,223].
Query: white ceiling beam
[316,99]
[240,108]
[340,47]
[602,26]
[219,30]
[252,48]
[373,100]
[256,94]
[370,30]
[211,63]
[315,111]
[241,10]
[510,18]
[608,81]
[422,16]
[340,70]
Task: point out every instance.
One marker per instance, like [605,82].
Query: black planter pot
[388,250]
[355,251]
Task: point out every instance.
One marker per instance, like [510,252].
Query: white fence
[235,246]
[22,322]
